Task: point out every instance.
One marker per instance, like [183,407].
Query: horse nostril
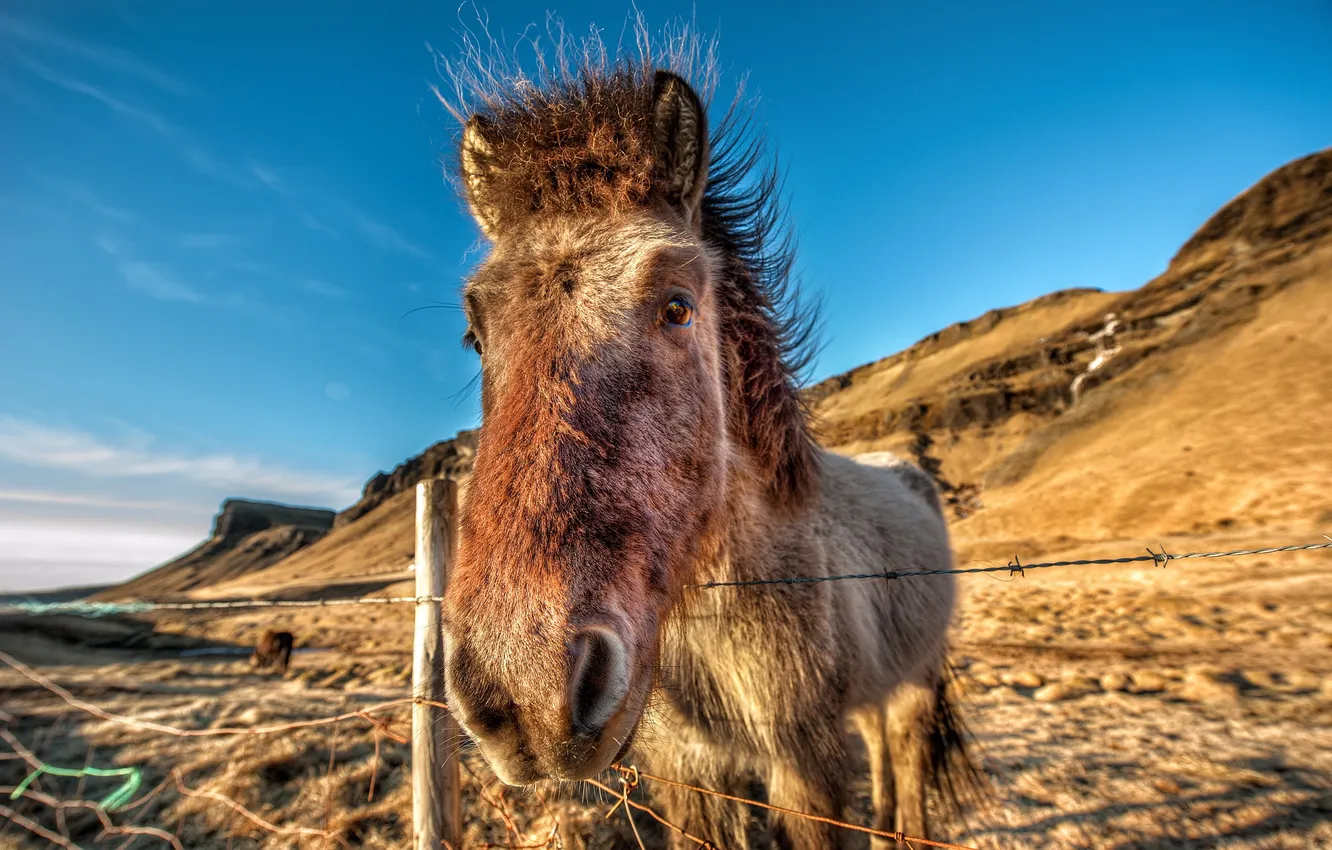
[598,679]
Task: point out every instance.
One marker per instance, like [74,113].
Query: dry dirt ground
[1123,706]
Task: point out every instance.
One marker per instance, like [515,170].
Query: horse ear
[477,171]
[680,134]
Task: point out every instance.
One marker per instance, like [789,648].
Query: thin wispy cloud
[152,279]
[208,241]
[349,215]
[160,281]
[316,224]
[37,444]
[108,57]
[84,197]
[156,280]
[82,500]
[256,309]
[381,234]
[321,287]
[181,142]
[270,179]
[110,101]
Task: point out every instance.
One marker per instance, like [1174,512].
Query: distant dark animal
[274,649]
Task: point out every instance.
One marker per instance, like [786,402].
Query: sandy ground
[1120,707]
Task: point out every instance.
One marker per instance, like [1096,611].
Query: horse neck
[749,524]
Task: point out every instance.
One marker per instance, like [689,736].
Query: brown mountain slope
[247,536]
[1206,408]
[1211,390]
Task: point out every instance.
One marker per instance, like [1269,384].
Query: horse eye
[470,340]
[678,312]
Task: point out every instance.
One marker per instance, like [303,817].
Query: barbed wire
[1014,567]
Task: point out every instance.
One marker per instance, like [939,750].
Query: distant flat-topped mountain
[247,536]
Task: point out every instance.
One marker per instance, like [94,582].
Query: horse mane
[575,132]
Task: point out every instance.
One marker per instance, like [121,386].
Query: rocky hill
[1198,402]
[247,536]
[448,458]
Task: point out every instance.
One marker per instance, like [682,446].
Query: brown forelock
[584,144]
[601,449]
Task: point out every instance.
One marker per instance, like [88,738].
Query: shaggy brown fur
[642,432]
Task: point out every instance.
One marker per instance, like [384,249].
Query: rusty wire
[174,777]
[109,827]
[895,836]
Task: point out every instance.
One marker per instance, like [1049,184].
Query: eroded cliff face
[966,402]
[445,459]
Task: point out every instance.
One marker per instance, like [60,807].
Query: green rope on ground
[110,803]
[80,608]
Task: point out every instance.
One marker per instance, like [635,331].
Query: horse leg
[720,822]
[910,714]
[871,721]
[809,776]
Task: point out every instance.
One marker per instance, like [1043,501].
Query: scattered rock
[986,680]
[1114,681]
[1166,786]
[1201,686]
[1260,679]
[1055,692]
[1325,690]
[1146,682]
[1022,679]
[250,717]
[969,685]
[1301,681]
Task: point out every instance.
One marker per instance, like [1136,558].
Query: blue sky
[217,216]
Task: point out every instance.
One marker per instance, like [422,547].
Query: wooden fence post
[436,787]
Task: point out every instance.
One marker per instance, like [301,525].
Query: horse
[273,650]
[643,440]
